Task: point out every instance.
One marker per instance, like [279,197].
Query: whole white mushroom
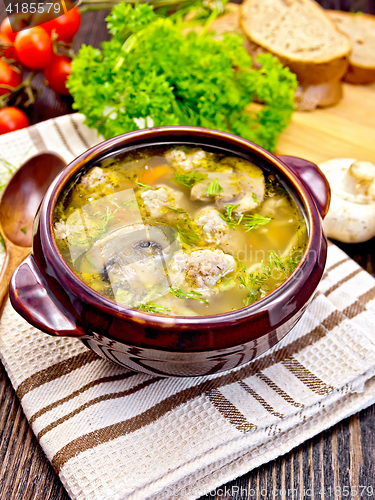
[351,216]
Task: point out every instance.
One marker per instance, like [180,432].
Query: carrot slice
[152,175]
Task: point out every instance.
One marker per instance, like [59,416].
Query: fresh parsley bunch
[151,74]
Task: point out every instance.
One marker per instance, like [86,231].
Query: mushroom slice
[245,187]
[136,260]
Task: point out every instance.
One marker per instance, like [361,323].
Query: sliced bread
[307,97]
[361,30]
[301,35]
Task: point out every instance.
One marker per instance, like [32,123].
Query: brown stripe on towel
[79,133]
[260,400]
[307,377]
[78,392]
[360,304]
[341,282]
[125,427]
[337,264]
[333,320]
[37,138]
[111,432]
[230,412]
[62,137]
[278,390]
[99,399]
[55,371]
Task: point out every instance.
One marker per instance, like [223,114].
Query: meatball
[157,201]
[184,161]
[93,177]
[214,228]
[203,268]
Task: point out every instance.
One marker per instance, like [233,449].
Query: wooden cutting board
[345,130]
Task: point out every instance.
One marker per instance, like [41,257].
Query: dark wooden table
[336,463]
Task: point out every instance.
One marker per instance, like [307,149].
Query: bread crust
[309,72]
[359,76]
[360,70]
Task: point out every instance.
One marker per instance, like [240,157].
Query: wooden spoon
[18,207]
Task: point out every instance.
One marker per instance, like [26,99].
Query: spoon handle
[14,256]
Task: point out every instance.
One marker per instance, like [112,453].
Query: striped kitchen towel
[115,434]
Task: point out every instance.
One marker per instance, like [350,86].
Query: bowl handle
[313,179]
[31,298]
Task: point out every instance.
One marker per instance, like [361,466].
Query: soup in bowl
[177,250]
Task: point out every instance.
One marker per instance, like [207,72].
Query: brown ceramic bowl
[49,296]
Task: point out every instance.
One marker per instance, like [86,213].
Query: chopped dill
[177,292]
[254,220]
[189,179]
[113,202]
[151,308]
[90,261]
[129,202]
[108,217]
[253,282]
[276,261]
[255,197]
[24,229]
[228,216]
[177,210]
[213,188]
[187,233]
[143,186]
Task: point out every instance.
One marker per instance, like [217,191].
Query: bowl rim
[89,296]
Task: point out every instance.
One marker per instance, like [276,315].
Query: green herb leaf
[90,261]
[254,220]
[113,202]
[189,179]
[151,307]
[177,292]
[213,188]
[177,210]
[108,218]
[143,186]
[24,229]
[255,197]
[187,233]
[228,216]
[151,74]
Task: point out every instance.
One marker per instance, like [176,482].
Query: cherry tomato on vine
[5,42]
[65,26]
[57,73]
[14,21]
[33,48]
[12,119]
[9,77]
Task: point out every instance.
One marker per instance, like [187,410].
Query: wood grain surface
[338,463]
